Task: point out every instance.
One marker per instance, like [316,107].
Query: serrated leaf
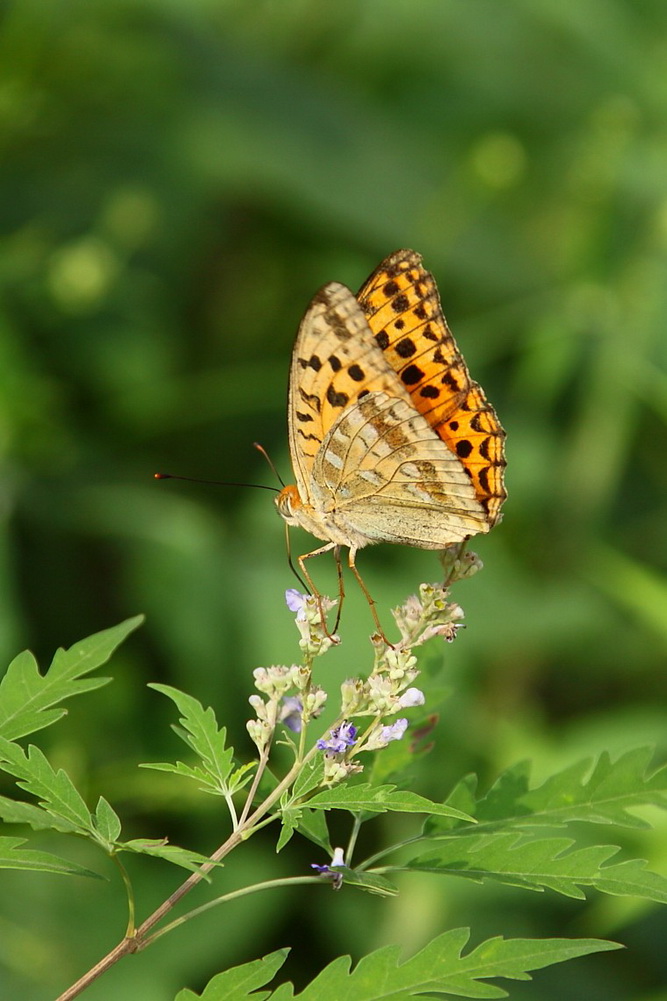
[241,776]
[290,818]
[439,968]
[160,848]
[602,793]
[309,778]
[236,780]
[205,738]
[14,811]
[543,864]
[185,771]
[380,799]
[241,983]
[55,790]
[26,696]
[12,856]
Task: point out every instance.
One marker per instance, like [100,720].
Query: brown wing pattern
[336,361]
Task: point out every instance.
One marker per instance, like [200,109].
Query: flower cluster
[311,621]
[421,618]
[336,747]
[290,698]
[459,563]
[289,695]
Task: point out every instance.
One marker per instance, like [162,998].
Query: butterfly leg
[301,560]
[341,586]
[371,602]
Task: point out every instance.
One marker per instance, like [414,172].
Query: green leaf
[602,793]
[107,821]
[241,776]
[55,790]
[309,778]
[185,771]
[14,811]
[26,696]
[290,818]
[172,853]
[380,799]
[536,865]
[12,857]
[241,982]
[439,968]
[369,881]
[313,825]
[205,738]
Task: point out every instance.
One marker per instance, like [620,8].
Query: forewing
[336,358]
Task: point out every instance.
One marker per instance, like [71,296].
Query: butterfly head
[288,503]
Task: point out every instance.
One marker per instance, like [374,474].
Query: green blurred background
[178,177]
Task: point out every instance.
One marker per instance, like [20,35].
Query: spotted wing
[390,478]
[336,361]
[401,303]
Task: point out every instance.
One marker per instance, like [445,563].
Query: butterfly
[390,438]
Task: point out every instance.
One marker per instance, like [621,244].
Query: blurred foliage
[178,178]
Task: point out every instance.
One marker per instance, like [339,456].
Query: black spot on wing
[311,399]
[463,448]
[337,399]
[405,348]
[400,304]
[411,375]
[312,362]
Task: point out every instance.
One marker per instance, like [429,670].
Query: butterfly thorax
[323,524]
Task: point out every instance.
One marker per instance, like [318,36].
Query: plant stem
[129,933]
[227,897]
[140,938]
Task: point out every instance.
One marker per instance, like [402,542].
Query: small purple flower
[341,737]
[411,697]
[290,713]
[393,732]
[296,602]
[329,870]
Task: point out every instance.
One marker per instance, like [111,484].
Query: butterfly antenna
[262,451]
[215,483]
[291,564]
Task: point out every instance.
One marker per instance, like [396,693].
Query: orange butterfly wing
[401,303]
